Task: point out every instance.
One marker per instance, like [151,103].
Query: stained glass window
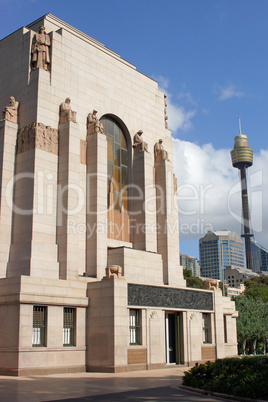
[117,156]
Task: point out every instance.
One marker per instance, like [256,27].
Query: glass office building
[259,256]
[217,250]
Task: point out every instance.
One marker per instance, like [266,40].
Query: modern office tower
[259,256]
[242,158]
[234,276]
[90,278]
[190,263]
[217,250]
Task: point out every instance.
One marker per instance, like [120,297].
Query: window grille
[134,327]
[39,326]
[68,326]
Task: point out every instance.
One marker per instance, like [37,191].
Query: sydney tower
[242,158]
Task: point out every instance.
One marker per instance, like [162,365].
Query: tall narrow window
[225,328]
[206,324]
[68,326]
[134,327]
[39,326]
[117,167]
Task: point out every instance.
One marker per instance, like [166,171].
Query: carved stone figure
[138,144]
[66,113]
[93,124]
[113,271]
[37,135]
[165,111]
[211,284]
[40,50]
[10,112]
[159,152]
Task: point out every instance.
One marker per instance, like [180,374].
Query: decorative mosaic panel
[158,296]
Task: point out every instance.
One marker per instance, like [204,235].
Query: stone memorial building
[89,252]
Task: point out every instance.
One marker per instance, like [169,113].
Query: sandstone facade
[89,253]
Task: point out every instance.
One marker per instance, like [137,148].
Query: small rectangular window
[39,326]
[134,327]
[206,324]
[68,326]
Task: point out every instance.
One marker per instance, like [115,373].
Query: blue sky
[210,57]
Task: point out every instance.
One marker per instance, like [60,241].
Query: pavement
[153,385]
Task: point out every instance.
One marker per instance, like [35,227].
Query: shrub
[244,377]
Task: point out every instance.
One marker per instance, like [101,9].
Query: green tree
[252,322]
[187,273]
[257,288]
[195,283]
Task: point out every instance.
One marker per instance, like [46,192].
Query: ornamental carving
[37,135]
[138,144]
[93,124]
[10,112]
[158,296]
[212,284]
[66,112]
[175,184]
[40,50]
[83,152]
[113,271]
[165,111]
[159,151]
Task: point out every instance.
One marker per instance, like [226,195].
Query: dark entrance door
[173,338]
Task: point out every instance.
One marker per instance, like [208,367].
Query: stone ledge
[42,371]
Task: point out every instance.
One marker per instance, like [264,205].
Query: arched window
[117,164]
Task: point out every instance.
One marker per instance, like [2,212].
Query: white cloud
[178,117]
[163,82]
[228,92]
[187,97]
[210,193]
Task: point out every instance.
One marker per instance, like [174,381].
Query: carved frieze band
[158,296]
[37,135]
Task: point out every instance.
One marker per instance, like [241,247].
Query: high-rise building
[190,263]
[217,250]
[89,262]
[259,256]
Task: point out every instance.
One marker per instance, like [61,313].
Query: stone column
[96,252]
[8,137]
[144,213]
[219,325]
[168,223]
[108,336]
[69,202]
[34,250]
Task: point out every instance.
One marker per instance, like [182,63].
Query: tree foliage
[252,322]
[257,288]
[195,283]
[187,273]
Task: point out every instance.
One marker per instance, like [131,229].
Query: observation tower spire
[242,158]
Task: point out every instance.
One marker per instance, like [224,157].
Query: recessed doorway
[174,348]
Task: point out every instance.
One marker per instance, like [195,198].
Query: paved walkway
[154,385]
